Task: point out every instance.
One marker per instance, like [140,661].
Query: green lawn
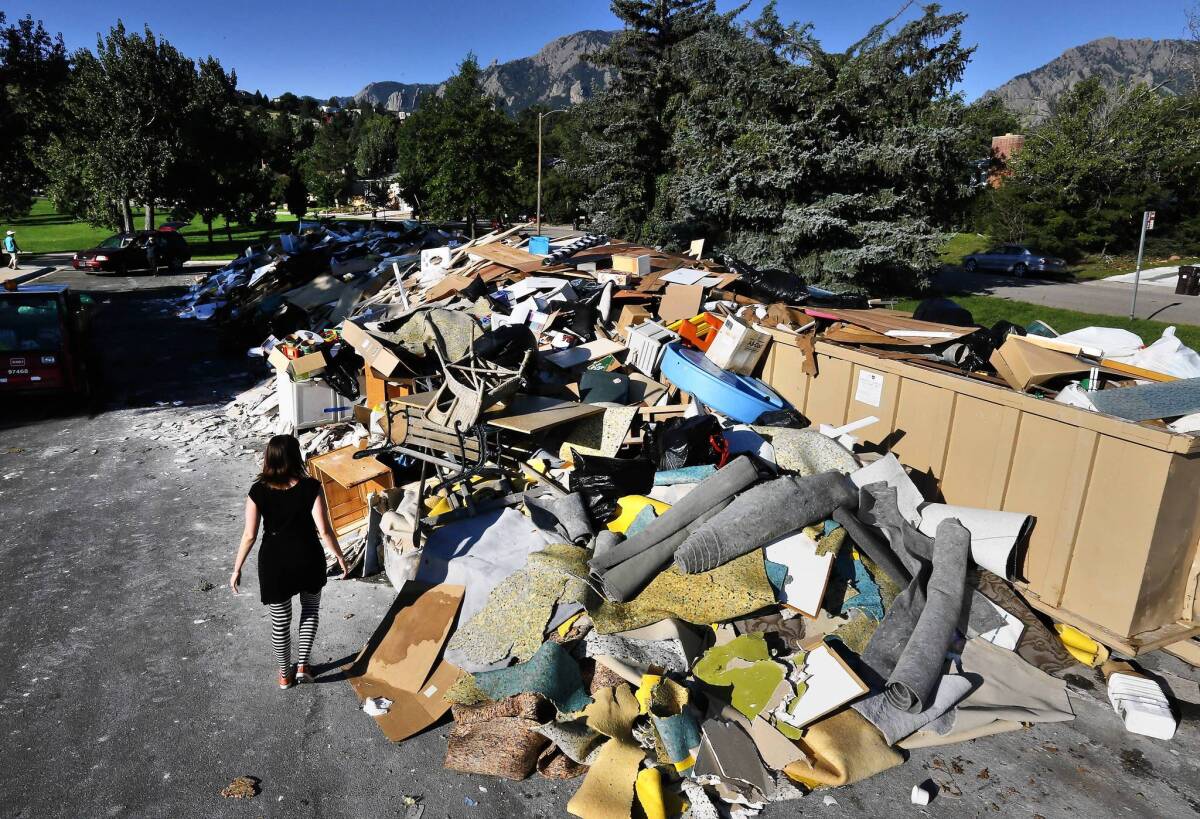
[987,310]
[961,244]
[45,230]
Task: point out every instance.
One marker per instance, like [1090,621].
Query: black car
[127,251]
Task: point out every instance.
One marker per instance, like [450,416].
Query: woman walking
[290,561]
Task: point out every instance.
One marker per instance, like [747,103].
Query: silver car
[1014,259]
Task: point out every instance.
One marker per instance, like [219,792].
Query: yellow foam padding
[630,506]
[648,787]
[646,690]
[608,790]
[1082,647]
[845,748]
[565,628]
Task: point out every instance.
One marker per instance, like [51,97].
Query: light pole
[541,116]
[1147,224]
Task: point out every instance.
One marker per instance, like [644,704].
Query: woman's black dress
[290,559]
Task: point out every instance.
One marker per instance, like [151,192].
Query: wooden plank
[532,414]
[499,253]
[1166,635]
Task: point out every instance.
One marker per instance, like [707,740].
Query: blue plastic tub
[742,398]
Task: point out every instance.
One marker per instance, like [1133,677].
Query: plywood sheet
[978,452]
[829,392]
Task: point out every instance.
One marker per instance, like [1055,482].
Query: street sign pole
[1147,224]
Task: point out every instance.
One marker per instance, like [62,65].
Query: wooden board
[532,414]
[512,257]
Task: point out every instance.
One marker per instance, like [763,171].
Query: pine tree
[631,122]
[842,166]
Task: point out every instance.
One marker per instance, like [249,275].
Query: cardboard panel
[979,450]
[829,392]
[873,392]
[1121,507]
[923,425]
[1048,480]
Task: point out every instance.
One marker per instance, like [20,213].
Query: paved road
[130,690]
[1103,297]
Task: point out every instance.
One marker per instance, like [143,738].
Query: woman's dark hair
[282,462]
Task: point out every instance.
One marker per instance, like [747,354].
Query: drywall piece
[831,684]
[808,572]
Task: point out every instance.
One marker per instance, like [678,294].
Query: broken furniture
[347,481]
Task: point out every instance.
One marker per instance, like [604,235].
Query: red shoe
[303,675]
[287,680]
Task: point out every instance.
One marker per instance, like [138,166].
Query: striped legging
[281,629]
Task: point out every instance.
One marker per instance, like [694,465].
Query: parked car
[127,251]
[43,339]
[1015,259]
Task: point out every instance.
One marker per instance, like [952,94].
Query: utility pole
[541,116]
[1147,224]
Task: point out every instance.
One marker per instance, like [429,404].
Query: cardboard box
[379,389]
[1114,549]
[1024,365]
[631,316]
[627,263]
[299,369]
[737,347]
[372,350]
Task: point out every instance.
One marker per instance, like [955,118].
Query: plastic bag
[1167,355]
[770,285]
[680,442]
[602,480]
[1115,343]
[941,310]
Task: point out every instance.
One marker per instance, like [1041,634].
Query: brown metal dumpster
[1114,549]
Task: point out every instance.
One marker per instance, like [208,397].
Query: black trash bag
[787,417]
[1001,330]
[770,285]
[679,442]
[475,291]
[583,321]
[341,371]
[602,480]
[941,310]
[505,346]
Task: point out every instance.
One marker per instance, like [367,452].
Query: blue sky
[328,48]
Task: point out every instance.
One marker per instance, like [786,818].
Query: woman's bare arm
[320,515]
[249,535]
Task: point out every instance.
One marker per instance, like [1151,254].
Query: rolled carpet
[760,515]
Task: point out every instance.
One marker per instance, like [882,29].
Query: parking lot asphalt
[135,684]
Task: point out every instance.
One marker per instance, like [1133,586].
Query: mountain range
[1034,94]
[558,75]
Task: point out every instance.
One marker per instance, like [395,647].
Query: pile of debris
[651,523]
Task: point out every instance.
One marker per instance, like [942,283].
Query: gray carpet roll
[919,668]
[722,485]
[762,514]
[625,580]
